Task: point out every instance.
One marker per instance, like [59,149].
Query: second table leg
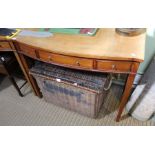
[126,95]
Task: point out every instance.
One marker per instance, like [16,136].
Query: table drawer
[66,60]
[117,66]
[5,46]
[29,51]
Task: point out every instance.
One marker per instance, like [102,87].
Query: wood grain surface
[106,44]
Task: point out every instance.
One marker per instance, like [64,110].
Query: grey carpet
[32,111]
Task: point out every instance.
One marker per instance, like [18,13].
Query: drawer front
[29,51]
[116,66]
[66,60]
[5,46]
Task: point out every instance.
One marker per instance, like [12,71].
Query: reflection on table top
[106,44]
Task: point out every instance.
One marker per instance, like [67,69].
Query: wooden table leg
[127,90]
[126,95]
[24,66]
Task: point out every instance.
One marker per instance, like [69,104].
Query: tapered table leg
[127,89]
[126,95]
[23,64]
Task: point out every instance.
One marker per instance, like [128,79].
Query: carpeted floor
[32,111]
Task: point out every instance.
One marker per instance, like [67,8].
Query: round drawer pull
[77,62]
[113,66]
[50,58]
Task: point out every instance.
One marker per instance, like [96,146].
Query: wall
[149,50]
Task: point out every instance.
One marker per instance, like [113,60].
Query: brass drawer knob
[50,58]
[113,66]
[77,62]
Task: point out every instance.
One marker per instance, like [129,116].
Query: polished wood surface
[5,46]
[66,60]
[106,44]
[27,50]
[127,91]
[107,51]
[114,65]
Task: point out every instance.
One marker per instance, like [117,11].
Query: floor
[32,111]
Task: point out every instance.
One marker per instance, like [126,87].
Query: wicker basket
[78,91]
